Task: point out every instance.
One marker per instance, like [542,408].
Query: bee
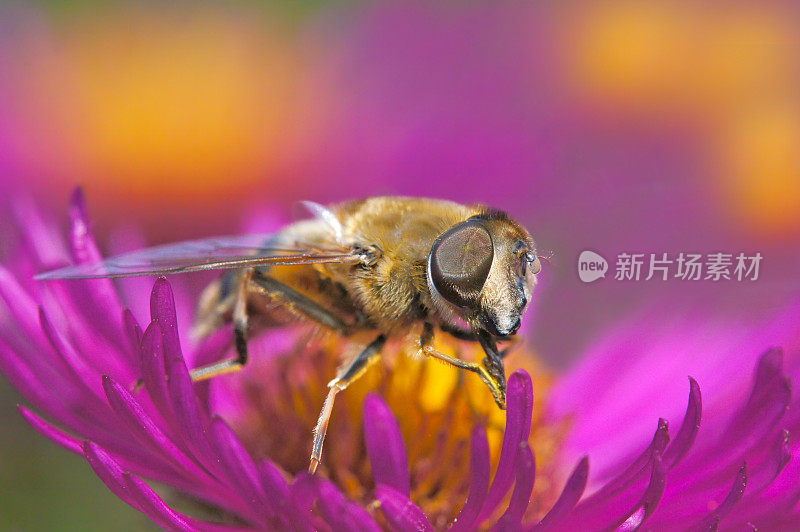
[381,266]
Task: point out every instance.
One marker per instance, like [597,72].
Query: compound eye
[460,262]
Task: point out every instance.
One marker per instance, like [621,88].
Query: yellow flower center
[436,405]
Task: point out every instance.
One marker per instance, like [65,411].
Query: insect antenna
[547,256]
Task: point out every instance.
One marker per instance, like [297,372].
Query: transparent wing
[218,253]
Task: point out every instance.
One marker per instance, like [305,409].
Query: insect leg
[352,372]
[240,324]
[493,362]
[299,302]
[277,291]
[216,302]
[488,372]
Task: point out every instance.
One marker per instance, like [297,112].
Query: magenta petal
[734,496]
[401,513]
[191,419]
[47,430]
[775,462]
[689,428]
[77,365]
[154,375]
[387,452]
[775,508]
[611,505]
[40,234]
[570,495]
[511,520]
[162,310]
[304,491]
[22,308]
[479,483]
[304,494]
[334,507]
[109,471]
[273,482]
[151,504]
[48,392]
[79,216]
[651,498]
[138,494]
[140,424]
[751,430]
[84,248]
[277,490]
[133,332]
[339,513]
[638,467]
[767,401]
[518,429]
[364,521]
[132,328]
[240,468]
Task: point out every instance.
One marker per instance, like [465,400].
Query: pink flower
[73,351]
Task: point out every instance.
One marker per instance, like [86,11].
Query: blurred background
[616,127]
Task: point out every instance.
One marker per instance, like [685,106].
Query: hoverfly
[380,265]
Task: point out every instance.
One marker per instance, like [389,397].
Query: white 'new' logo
[591,266]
